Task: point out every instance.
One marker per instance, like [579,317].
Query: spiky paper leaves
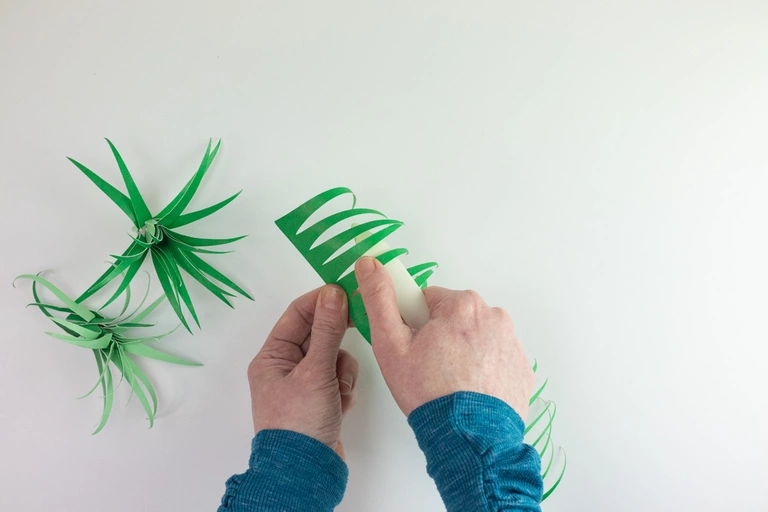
[170,251]
[107,338]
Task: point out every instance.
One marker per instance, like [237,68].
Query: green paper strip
[120,199]
[99,343]
[106,390]
[80,310]
[191,217]
[139,206]
[153,353]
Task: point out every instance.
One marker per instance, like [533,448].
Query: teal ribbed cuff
[287,472]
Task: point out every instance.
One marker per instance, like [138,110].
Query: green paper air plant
[156,235]
[107,338]
[332,257]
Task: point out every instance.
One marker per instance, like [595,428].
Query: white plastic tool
[410,298]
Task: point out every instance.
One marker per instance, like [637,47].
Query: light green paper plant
[170,250]
[106,338]
[322,256]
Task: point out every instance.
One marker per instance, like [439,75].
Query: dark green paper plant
[107,338]
[156,236]
[334,265]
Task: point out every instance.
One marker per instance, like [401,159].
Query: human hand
[465,346]
[300,380]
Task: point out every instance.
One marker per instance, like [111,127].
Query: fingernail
[331,298]
[365,267]
[347,381]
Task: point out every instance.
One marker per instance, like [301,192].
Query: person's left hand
[300,379]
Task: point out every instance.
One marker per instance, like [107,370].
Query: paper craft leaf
[110,346]
[171,252]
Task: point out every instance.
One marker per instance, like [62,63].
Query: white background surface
[599,169]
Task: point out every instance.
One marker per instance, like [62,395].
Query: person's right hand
[465,346]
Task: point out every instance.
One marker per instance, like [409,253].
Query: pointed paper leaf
[84,332]
[141,316]
[98,354]
[203,242]
[207,268]
[98,343]
[139,206]
[106,390]
[170,206]
[41,306]
[80,310]
[138,373]
[153,353]
[112,272]
[111,192]
[123,364]
[173,271]
[191,217]
[130,272]
[190,269]
[192,186]
[169,289]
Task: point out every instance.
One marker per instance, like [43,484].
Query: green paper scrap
[106,338]
[157,236]
[338,270]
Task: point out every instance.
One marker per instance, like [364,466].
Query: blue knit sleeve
[475,453]
[287,472]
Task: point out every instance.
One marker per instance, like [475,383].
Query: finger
[292,329]
[437,296]
[328,328]
[380,301]
[347,369]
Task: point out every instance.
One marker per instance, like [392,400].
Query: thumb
[328,328]
[380,300]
